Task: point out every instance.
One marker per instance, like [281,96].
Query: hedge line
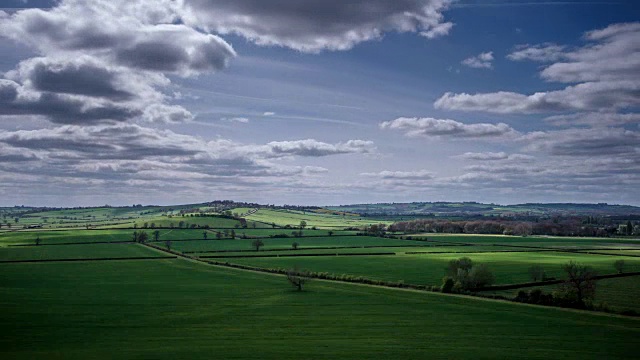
[293,255]
[308,248]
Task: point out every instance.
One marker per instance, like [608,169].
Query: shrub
[447,284]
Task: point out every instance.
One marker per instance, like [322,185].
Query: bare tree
[257,243]
[580,284]
[619,266]
[297,278]
[536,272]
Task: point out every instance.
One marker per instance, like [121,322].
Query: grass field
[167,309]
[172,309]
[321,221]
[618,293]
[429,269]
[285,243]
[85,251]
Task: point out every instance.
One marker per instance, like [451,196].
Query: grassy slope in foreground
[178,309]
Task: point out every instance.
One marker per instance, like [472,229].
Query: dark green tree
[257,243]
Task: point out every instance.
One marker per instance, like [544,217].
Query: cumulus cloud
[430,127]
[139,34]
[606,72]
[106,61]
[242,120]
[595,119]
[316,25]
[481,61]
[314,148]
[121,153]
[542,52]
[85,90]
[585,142]
[416,175]
[594,96]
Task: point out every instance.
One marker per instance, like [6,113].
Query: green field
[293,218]
[619,293]
[172,309]
[85,251]
[285,243]
[429,269]
[168,309]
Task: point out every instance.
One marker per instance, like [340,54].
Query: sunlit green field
[321,221]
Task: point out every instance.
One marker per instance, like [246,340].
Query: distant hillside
[479,209]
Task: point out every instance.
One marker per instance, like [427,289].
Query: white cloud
[313,26]
[416,175]
[481,61]
[590,96]
[607,73]
[543,52]
[430,127]
[243,120]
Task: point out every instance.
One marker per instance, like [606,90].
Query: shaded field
[177,309]
[619,293]
[539,241]
[85,251]
[429,269]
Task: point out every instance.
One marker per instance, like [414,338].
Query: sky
[318,102]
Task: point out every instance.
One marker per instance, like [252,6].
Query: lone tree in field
[204,235]
[168,244]
[38,240]
[580,284]
[297,278]
[303,224]
[536,272]
[257,243]
[294,246]
[330,233]
[156,235]
[619,266]
[140,236]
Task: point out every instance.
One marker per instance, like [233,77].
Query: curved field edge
[180,309]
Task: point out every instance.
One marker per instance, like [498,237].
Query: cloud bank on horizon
[184,101]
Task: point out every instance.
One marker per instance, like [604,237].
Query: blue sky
[319,102]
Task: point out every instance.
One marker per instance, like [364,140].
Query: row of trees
[556,227]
